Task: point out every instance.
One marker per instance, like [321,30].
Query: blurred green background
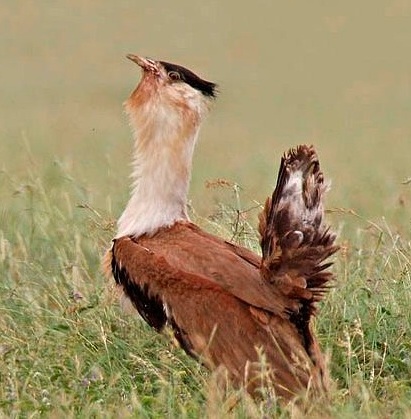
[336,74]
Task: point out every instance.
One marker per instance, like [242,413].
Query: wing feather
[234,268]
[207,320]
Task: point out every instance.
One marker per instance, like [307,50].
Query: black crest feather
[207,88]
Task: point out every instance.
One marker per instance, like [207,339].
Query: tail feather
[294,239]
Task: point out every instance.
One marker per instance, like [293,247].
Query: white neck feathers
[164,145]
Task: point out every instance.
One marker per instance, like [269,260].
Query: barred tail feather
[295,241]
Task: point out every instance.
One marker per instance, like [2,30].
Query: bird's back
[211,293]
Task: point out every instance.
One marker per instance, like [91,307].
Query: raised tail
[295,241]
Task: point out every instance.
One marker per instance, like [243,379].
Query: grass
[66,347]
[333,74]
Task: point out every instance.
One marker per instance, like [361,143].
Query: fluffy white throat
[161,176]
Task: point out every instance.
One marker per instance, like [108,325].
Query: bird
[230,308]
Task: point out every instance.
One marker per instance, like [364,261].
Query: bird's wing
[295,241]
[209,322]
[233,268]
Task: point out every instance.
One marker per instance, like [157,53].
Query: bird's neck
[161,174]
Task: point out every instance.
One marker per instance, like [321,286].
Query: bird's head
[169,93]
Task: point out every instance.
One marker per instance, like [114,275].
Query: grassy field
[324,74]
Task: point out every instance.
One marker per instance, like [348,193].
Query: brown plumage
[226,305]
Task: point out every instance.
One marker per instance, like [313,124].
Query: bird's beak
[145,63]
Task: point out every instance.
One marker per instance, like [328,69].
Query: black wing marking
[150,308]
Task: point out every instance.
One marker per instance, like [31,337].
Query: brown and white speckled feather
[294,239]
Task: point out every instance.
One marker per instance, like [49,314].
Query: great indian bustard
[226,305]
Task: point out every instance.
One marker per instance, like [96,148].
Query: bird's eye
[174,75]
